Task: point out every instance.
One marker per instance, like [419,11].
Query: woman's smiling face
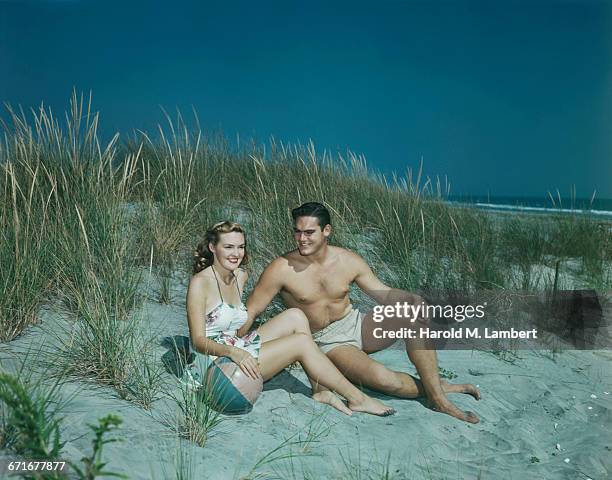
[229,250]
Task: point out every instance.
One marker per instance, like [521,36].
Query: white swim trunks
[343,332]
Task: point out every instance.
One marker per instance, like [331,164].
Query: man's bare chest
[312,285]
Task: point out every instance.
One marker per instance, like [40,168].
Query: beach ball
[229,389]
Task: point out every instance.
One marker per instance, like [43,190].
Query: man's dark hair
[312,209]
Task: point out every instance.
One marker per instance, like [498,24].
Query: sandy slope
[529,405]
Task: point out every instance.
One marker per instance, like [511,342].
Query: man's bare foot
[330,398]
[461,388]
[444,405]
[371,405]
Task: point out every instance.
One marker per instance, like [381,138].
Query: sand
[542,416]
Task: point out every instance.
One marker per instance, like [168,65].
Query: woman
[215,312]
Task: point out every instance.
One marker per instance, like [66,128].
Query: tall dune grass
[66,216]
[81,220]
[25,275]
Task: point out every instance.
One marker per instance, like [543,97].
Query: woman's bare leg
[277,354]
[287,323]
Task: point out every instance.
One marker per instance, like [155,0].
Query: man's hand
[242,331]
[247,363]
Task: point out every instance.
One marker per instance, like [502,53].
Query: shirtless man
[316,278]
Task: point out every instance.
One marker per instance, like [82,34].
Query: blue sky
[507,97]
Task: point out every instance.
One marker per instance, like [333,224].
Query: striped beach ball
[230,390]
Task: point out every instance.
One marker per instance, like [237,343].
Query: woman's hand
[247,363]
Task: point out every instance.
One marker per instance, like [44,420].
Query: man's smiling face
[309,236]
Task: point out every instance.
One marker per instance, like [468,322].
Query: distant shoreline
[505,208]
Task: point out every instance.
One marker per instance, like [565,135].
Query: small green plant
[93,466]
[314,431]
[31,425]
[144,384]
[31,417]
[506,355]
[8,432]
[448,374]
[283,451]
[375,470]
[164,297]
[197,418]
[183,462]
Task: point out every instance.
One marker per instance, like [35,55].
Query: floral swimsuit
[222,323]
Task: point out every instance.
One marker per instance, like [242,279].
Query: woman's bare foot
[461,388]
[330,398]
[371,405]
[444,405]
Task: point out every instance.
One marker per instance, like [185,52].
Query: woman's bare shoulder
[201,281]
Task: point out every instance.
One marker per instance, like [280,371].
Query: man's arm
[366,280]
[268,285]
[373,286]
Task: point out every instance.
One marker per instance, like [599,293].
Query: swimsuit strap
[218,286]
[238,288]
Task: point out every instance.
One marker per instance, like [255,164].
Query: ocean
[598,207]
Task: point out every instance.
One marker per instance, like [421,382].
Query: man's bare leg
[363,370]
[425,361]
[383,379]
[426,364]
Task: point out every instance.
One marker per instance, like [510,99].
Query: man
[316,278]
